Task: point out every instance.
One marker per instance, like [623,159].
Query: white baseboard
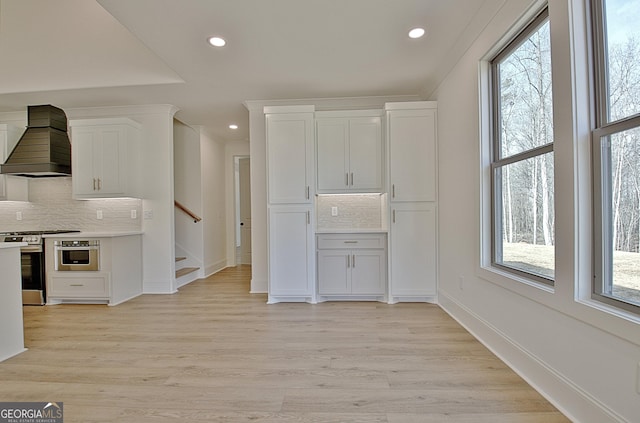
[12,354]
[214,268]
[565,395]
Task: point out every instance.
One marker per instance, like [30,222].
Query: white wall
[212,163]
[583,359]
[188,192]
[156,174]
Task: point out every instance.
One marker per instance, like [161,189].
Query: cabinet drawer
[79,287]
[351,241]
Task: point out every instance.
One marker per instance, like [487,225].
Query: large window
[522,157]
[616,152]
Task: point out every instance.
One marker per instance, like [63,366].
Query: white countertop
[353,231]
[75,235]
[12,245]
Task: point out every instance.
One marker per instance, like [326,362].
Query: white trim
[565,395]
[131,297]
[411,105]
[213,268]
[289,109]
[13,354]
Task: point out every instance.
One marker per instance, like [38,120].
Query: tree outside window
[616,152]
[522,160]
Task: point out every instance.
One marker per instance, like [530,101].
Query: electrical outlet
[334,211]
[148,214]
[134,213]
[18,215]
[99,214]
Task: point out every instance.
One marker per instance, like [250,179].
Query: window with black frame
[616,152]
[522,164]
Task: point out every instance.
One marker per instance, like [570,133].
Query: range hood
[44,149]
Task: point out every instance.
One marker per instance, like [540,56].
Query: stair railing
[191,214]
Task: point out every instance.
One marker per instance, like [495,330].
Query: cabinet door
[289,157]
[83,155]
[332,154]
[110,162]
[412,155]
[333,272]
[291,270]
[79,286]
[365,154]
[99,161]
[413,250]
[368,272]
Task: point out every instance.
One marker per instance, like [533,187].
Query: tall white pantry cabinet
[407,178]
[412,184]
[290,195]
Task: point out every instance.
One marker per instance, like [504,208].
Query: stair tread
[180,259]
[185,271]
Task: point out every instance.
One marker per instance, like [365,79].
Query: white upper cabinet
[12,188]
[349,153]
[411,129]
[290,170]
[104,158]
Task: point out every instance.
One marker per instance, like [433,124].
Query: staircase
[186,273]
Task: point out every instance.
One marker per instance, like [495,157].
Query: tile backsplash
[357,211]
[51,207]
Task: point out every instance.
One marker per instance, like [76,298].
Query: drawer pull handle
[351,242]
[76,284]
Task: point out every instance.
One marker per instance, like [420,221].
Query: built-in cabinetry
[118,279]
[12,188]
[352,266]
[411,139]
[104,158]
[290,193]
[349,151]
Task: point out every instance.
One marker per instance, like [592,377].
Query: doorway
[243,209]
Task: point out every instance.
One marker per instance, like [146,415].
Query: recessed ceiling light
[233,126]
[416,33]
[217,41]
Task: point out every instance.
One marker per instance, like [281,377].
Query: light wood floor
[213,353]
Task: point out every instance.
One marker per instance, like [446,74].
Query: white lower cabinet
[118,279]
[413,252]
[89,287]
[352,265]
[291,264]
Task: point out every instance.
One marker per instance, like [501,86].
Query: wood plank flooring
[214,353]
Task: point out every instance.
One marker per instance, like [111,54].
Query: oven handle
[93,247]
[31,249]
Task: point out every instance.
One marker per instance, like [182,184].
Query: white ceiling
[84,53]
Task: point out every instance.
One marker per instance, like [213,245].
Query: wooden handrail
[191,214]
